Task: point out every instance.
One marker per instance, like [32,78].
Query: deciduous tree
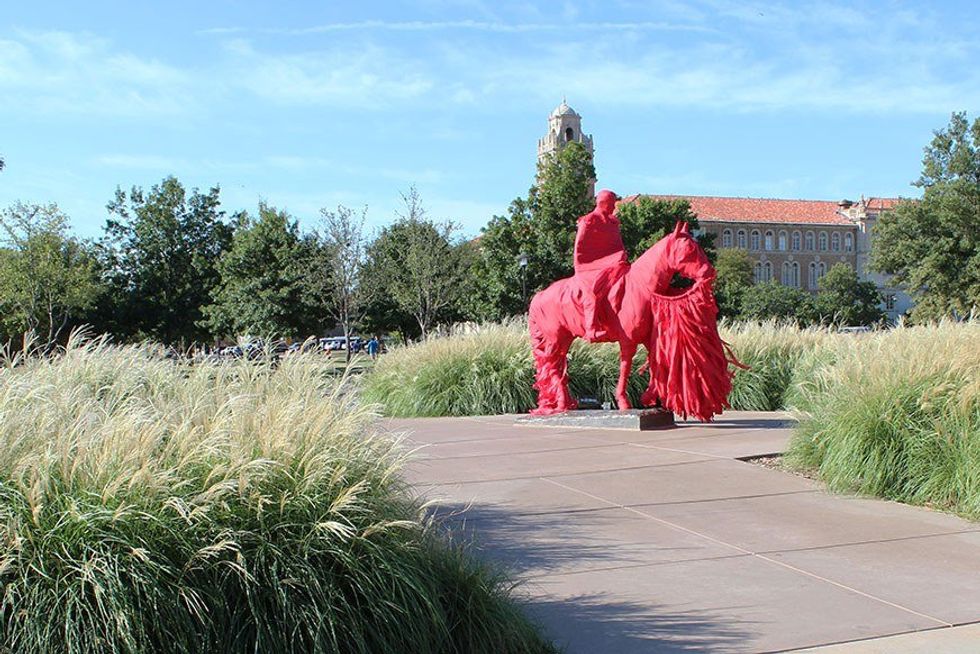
[845,300]
[418,265]
[774,301]
[262,286]
[734,267]
[932,245]
[335,274]
[47,276]
[542,227]
[160,252]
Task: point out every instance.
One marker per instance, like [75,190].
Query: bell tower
[564,126]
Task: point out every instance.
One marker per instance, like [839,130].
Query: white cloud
[78,73]
[370,76]
[465,26]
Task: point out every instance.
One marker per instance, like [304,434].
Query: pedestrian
[372,347]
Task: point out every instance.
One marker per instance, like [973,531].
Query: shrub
[154,507]
[896,414]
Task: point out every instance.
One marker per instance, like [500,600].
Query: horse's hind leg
[626,351]
[565,400]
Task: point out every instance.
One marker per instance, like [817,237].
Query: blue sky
[311,104]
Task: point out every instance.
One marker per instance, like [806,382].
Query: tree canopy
[932,245]
[262,286]
[845,300]
[48,278]
[160,252]
[774,301]
[336,271]
[417,268]
[734,268]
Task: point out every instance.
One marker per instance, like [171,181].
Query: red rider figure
[600,260]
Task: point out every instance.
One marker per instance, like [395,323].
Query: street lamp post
[522,262]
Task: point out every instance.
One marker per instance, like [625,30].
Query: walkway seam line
[760,556]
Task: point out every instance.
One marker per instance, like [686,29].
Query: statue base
[634,419]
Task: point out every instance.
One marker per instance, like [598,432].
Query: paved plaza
[667,541]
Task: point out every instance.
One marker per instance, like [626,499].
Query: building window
[754,240]
[767,271]
[821,270]
[848,242]
[812,281]
[791,274]
[822,240]
[809,241]
[889,301]
[769,240]
[741,239]
[726,238]
[757,273]
[797,238]
[569,135]
[835,242]
[782,241]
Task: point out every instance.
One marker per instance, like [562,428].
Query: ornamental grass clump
[153,506]
[774,353]
[897,414]
[487,371]
[491,371]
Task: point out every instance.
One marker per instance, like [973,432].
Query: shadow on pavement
[535,546]
[594,623]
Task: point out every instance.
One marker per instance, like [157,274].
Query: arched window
[767,271]
[726,238]
[754,240]
[569,135]
[848,242]
[797,241]
[757,273]
[794,277]
[809,242]
[786,269]
[821,270]
[741,239]
[835,242]
[822,240]
[812,281]
[782,241]
[769,240]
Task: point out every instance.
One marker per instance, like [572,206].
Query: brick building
[795,242]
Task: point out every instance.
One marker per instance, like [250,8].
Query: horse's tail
[693,376]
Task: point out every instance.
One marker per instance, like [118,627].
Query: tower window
[569,135]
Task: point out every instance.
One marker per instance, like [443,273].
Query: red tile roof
[760,210]
[770,210]
[882,204]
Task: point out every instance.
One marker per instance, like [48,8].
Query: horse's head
[680,254]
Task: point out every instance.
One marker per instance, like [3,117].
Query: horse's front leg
[650,397]
[626,351]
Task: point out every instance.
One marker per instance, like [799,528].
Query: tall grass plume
[152,506]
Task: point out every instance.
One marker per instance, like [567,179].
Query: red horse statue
[610,300]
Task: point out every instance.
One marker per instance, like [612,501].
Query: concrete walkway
[666,542]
